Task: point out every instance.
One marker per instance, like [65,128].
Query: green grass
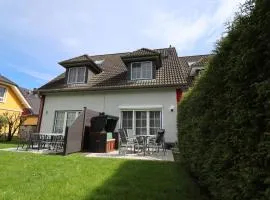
[5,144]
[26,176]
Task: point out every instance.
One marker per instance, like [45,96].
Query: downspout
[83,129]
[42,101]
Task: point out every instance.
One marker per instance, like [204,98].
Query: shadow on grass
[147,180]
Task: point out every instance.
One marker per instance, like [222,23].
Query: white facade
[112,103]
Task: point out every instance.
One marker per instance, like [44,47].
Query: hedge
[224,119]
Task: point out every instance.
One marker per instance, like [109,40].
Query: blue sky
[36,35]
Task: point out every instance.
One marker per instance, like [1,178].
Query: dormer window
[99,62]
[76,75]
[141,70]
[191,63]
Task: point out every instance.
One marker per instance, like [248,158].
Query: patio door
[64,119]
[142,122]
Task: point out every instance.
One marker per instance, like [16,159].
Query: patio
[135,156]
[114,154]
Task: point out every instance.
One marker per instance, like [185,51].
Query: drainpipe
[42,101]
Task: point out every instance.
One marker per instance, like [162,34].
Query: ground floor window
[141,122]
[64,119]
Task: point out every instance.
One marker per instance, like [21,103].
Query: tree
[3,122]
[11,122]
[224,120]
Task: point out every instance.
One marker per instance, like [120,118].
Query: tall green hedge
[224,119]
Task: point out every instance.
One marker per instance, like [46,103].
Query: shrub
[224,119]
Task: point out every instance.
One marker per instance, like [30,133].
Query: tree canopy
[224,120]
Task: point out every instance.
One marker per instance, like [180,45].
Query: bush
[224,119]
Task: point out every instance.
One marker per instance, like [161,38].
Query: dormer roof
[83,60]
[142,54]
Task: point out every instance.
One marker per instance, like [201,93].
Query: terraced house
[142,87]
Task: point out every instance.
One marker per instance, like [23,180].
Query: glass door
[141,122]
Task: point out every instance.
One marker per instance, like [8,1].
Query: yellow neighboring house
[14,99]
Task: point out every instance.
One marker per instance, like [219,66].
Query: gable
[12,101]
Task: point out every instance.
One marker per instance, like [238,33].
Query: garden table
[145,139]
[43,138]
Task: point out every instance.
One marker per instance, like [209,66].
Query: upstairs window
[141,70]
[2,94]
[76,75]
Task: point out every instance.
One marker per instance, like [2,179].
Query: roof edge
[42,91]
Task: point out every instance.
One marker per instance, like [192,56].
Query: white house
[141,87]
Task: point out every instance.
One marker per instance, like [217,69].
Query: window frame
[147,118]
[76,75]
[141,78]
[3,99]
[65,118]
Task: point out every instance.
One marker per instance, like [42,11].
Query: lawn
[4,144]
[31,176]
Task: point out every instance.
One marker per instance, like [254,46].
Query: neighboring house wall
[11,102]
[31,120]
[111,103]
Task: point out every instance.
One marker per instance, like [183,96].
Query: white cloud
[39,75]
[184,31]
[42,76]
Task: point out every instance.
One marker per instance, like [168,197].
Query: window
[127,119]
[99,62]
[154,122]
[2,93]
[64,119]
[141,122]
[141,70]
[76,75]
[191,63]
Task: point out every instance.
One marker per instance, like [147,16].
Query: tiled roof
[141,52]
[81,58]
[114,73]
[196,60]
[6,80]
[202,62]
[32,99]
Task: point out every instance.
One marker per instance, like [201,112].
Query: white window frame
[131,75]
[65,118]
[147,118]
[3,99]
[76,75]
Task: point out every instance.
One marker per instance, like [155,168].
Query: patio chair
[159,142]
[58,142]
[125,142]
[45,141]
[34,139]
